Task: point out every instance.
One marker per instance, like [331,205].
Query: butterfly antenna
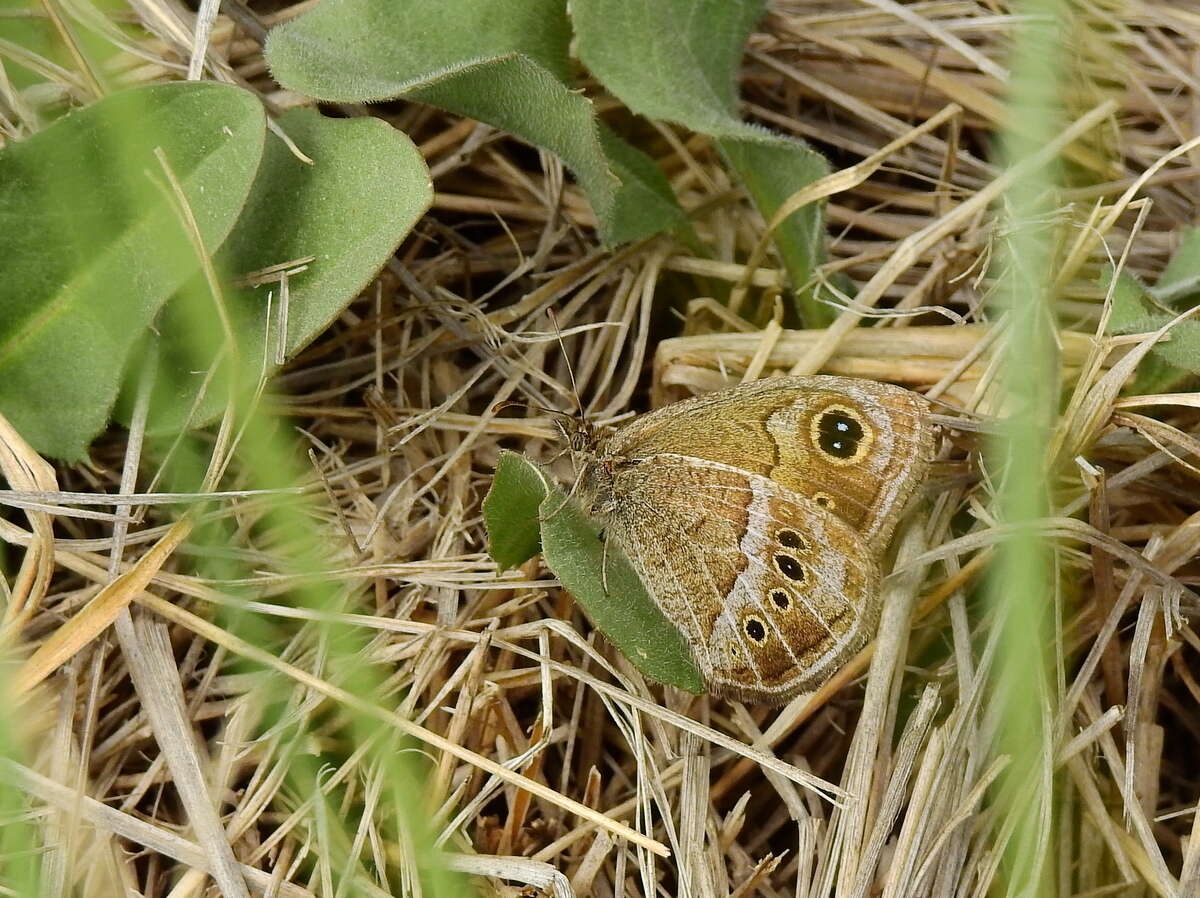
[570,367]
[531,406]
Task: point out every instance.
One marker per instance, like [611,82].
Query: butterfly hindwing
[771,590]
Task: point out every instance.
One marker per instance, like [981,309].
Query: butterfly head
[597,469]
[577,433]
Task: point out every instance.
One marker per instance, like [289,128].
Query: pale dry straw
[551,763]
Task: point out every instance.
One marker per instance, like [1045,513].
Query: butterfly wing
[856,447]
[772,591]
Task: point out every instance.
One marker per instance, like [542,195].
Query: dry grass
[541,747]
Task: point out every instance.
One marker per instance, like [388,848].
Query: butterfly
[757,518]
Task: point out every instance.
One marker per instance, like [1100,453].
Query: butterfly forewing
[856,447]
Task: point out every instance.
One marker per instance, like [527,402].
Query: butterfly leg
[567,498]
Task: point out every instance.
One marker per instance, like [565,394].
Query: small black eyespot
[780,598]
[789,567]
[791,539]
[823,500]
[755,629]
[838,434]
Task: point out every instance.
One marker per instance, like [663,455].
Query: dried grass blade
[909,250]
[24,469]
[899,594]
[100,612]
[136,830]
[241,647]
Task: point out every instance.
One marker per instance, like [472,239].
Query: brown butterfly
[757,517]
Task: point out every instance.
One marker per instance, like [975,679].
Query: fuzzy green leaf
[1180,280]
[520,502]
[605,584]
[503,62]
[645,203]
[366,189]
[691,79]
[510,511]
[1182,349]
[773,168]
[1170,361]
[92,244]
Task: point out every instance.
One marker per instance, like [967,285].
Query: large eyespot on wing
[858,447]
[841,434]
[807,600]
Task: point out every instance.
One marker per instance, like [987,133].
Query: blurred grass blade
[1023,586]
[348,211]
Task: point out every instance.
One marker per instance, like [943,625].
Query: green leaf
[364,192]
[604,583]
[1180,280]
[1182,349]
[645,203]
[93,245]
[691,79]
[399,45]
[600,577]
[508,68]
[772,171]
[510,511]
[1134,312]
[1130,312]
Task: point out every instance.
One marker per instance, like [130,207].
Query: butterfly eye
[791,539]
[841,434]
[789,567]
[780,598]
[755,629]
